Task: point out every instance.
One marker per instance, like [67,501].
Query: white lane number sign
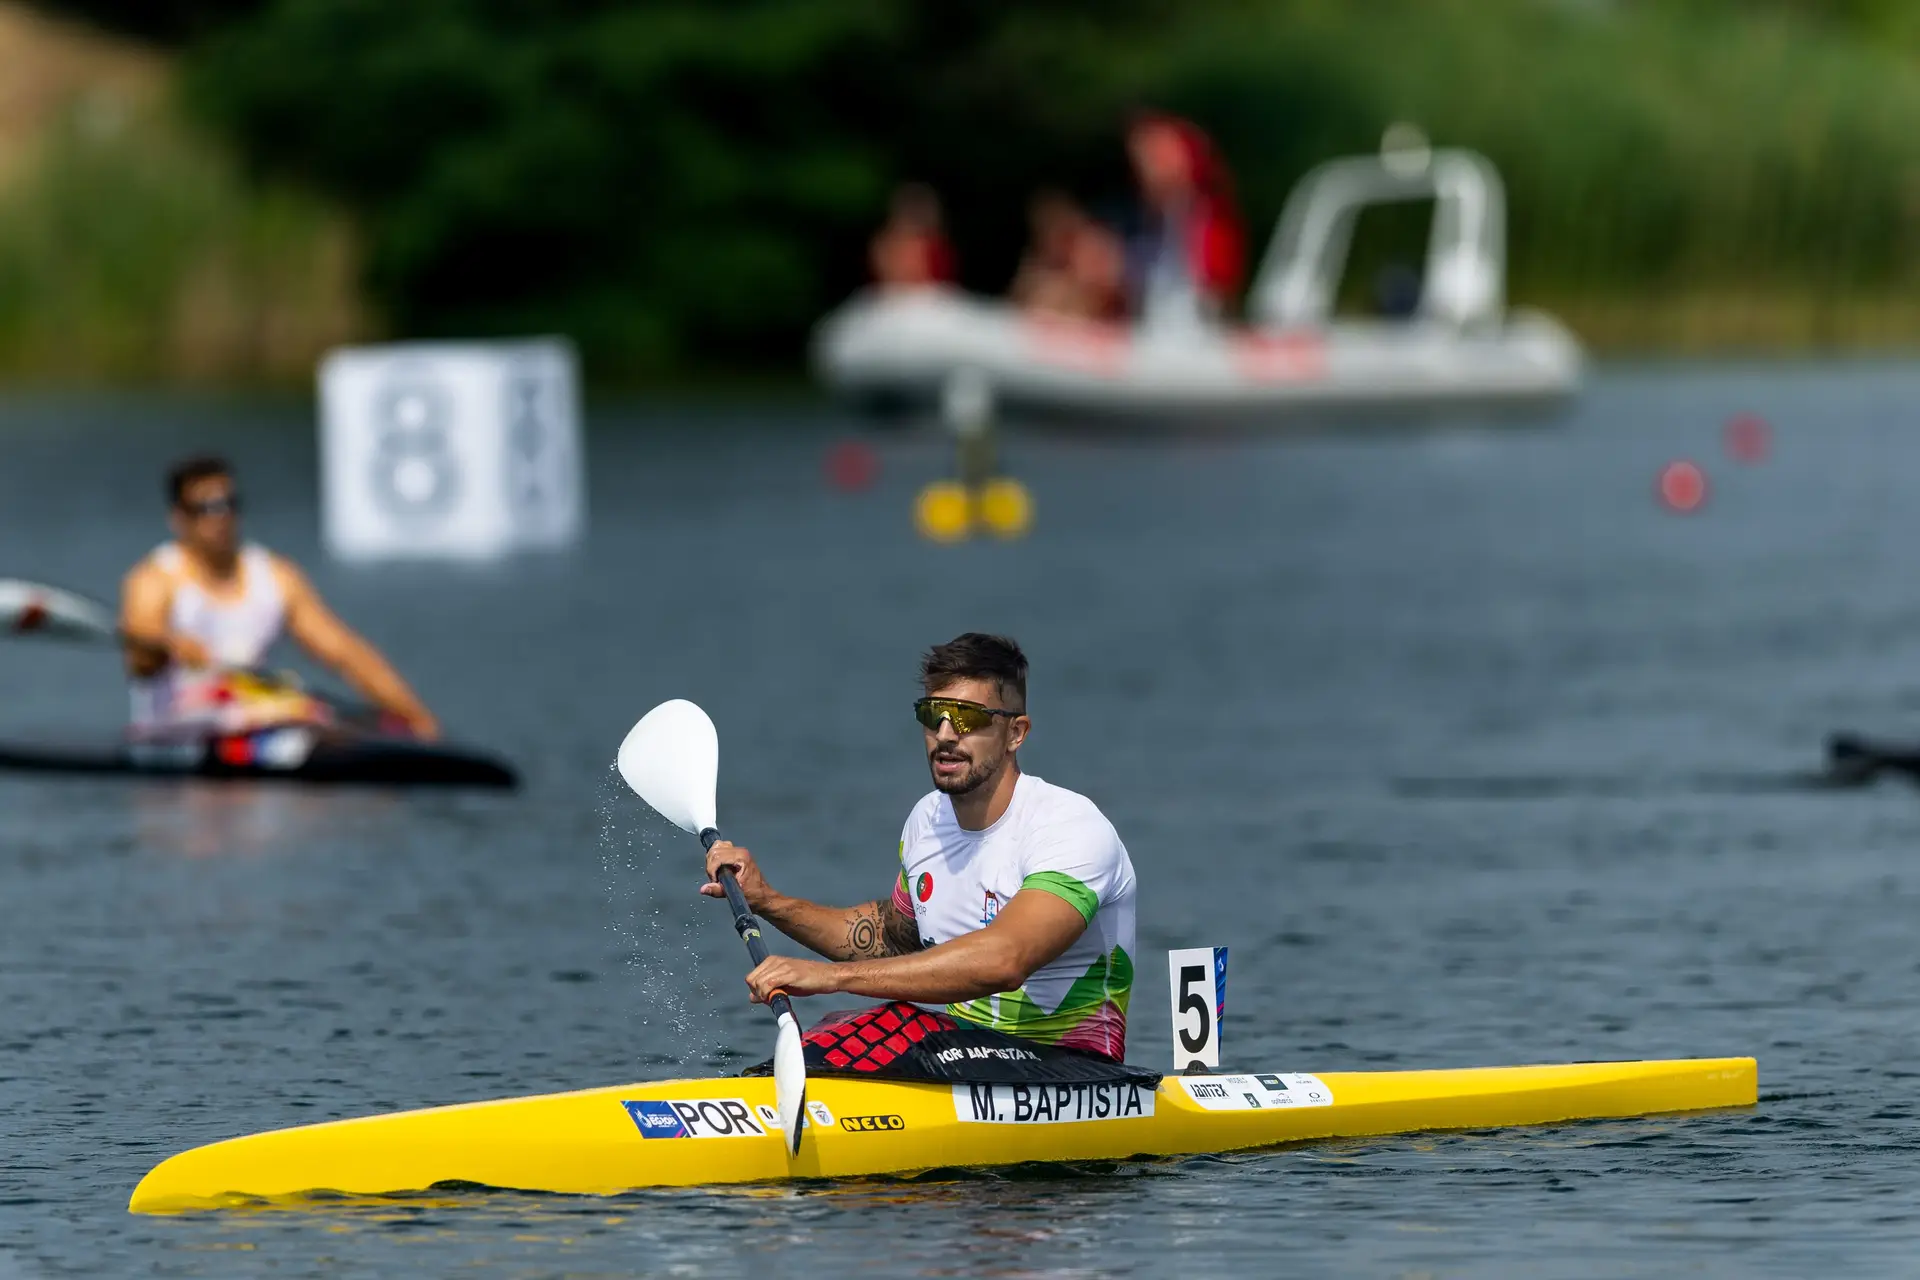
[1197,977]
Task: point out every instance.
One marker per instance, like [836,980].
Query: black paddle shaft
[744,923]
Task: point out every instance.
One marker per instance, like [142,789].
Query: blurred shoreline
[1704,182]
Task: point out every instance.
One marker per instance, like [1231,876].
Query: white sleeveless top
[237,630]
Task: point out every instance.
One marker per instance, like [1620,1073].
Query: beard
[976,774]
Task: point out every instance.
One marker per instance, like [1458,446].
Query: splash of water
[645,863]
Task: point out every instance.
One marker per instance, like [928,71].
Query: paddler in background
[200,612]
[1014,904]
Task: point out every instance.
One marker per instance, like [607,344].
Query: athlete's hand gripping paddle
[671,759]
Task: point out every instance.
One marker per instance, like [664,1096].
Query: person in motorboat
[199,613]
[1073,267]
[1193,252]
[912,250]
[1013,908]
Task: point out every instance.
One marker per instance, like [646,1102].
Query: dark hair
[977,656]
[201,466]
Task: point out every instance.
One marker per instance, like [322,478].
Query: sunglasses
[227,506]
[966,717]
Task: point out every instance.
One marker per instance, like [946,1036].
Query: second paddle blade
[671,759]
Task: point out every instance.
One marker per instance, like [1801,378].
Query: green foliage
[165,20]
[672,183]
[133,250]
[685,185]
[1643,147]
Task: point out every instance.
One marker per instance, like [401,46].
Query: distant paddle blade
[790,1081]
[34,609]
[671,759]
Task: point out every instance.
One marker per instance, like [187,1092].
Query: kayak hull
[710,1132]
[1856,760]
[361,761]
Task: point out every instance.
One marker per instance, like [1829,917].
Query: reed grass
[134,250]
[1675,176]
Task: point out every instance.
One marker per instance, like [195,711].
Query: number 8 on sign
[1197,977]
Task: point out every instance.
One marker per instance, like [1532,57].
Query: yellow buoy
[1006,507]
[944,511]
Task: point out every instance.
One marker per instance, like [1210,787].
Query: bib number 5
[1197,977]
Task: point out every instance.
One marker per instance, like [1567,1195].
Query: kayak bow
[700,1132]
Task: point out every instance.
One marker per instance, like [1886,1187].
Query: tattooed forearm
[900,933]
[865,940]
[875,930]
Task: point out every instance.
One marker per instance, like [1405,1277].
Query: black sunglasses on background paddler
[227,506]
[966,717]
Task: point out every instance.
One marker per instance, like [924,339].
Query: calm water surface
[1470,752]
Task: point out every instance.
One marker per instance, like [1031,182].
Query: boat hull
[904,347]
[705,1132]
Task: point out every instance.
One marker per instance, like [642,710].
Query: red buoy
[1683,486]
[852,466]
[1747,438]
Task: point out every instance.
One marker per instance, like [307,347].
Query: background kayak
[363,760]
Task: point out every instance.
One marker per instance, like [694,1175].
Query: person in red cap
[1195,251]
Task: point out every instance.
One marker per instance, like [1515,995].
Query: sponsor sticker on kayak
[695,1118]
[871,1124]
[817,1113]
[1050,1103]
[1257,1092]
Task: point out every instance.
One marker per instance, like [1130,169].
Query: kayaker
[1014,904]
[199,611]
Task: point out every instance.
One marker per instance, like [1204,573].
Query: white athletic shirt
[237,630]
[1051,839]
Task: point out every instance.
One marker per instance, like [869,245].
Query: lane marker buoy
[1747,438]
[1005,507]
[944,511]
[1682,487]
[852,466]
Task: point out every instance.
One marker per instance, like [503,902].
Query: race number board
[465,450]
[1198,979]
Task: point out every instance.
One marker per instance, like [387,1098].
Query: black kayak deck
[374,761]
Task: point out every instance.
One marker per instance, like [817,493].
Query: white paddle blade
[33,609]
[671,759]
[790,1081]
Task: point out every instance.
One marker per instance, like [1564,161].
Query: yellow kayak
[694,1132]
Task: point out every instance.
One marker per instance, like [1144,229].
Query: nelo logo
[871,1124]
